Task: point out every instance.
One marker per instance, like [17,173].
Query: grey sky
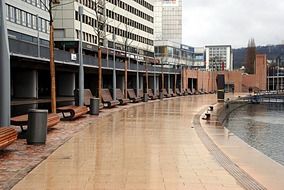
[233,22]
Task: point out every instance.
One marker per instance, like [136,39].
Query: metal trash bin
[37,126]
[161,95]
[145,97]
[94,106]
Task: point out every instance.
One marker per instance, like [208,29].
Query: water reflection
[261,126]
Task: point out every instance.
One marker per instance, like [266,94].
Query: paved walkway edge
[245,180]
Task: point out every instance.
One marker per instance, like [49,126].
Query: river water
[261,126]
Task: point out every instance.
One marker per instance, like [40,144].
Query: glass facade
[168,20]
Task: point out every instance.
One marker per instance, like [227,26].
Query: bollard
[145,97]
[161,95]
[37,126]
[94,106]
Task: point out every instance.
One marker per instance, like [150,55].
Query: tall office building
[128,20]
[168,20]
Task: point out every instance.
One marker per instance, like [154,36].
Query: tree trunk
[163,83]
[100,72]
[125,77]
[175,83]
[52,69]
[147,77]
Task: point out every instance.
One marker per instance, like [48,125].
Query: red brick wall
[241,81]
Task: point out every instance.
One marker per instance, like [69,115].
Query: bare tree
[146,58]
[49,8]
[127,41]
[100,30]
[250,57]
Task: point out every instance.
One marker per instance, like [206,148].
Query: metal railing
[30,50]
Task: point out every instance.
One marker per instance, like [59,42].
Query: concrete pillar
[25,84]
[169,82]
[5,89]
[120,83]
[65,84]
[151,84]
[157,84]
[141,86]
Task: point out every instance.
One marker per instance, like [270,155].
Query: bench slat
[7,136]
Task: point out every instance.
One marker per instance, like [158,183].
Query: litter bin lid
[37,111]
[94,98]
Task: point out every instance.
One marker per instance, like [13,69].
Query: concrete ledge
[257,165]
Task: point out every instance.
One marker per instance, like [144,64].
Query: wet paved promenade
[153,146]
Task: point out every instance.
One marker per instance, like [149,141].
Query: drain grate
[245,180]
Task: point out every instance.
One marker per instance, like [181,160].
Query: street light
[81,69]
[137,72]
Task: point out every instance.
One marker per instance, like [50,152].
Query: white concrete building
[168,20]
[131,22]
[219,57]
[28,20]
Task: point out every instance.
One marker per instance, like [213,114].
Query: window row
[114,30]
[92,5]
[145,4]
[87,37]
[132,10]
[128,35]
[86,19]
[42,4]
[26,19]
[128,21]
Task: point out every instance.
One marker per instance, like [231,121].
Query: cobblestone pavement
[151,146]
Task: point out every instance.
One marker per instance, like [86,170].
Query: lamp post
[81,69]
[5,98]
[155,85]
[278,62]
[137,72]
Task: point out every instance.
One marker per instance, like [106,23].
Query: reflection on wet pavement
[151,146]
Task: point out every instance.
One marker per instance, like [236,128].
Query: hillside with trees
[272,51]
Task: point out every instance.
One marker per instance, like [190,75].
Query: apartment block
[219,57]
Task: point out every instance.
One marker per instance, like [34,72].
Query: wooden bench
[200,91]
[107,99]
[151,95]
[87,98]
[22,120]
[165,94]
[178,92]
[194,92]
[171,93]
[120,97]
[8,135]
[73,111]
[132,96]
[184,92]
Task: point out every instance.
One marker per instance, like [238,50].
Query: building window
[24,18]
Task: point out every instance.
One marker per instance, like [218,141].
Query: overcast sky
[233,22]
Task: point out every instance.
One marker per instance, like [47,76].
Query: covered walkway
[150,146]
